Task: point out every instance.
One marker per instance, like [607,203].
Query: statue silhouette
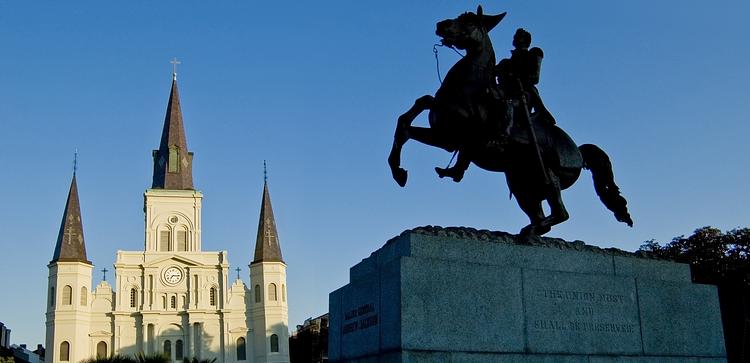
[503,127]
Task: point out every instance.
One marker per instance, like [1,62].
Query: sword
[532,135]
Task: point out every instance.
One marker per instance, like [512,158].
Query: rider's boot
[455,172]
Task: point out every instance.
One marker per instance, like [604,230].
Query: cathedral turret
[267,247]
[69,288]
[70,245]
[268,281]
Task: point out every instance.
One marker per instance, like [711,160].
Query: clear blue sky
[315,89]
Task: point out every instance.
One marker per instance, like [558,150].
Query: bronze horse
[539,159]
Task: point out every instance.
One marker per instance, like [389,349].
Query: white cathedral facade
[172,297]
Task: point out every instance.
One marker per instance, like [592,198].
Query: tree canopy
[715,256]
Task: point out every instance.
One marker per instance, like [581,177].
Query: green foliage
[196,360]
[151,358]
[715,256]
[117,358]
[9,359]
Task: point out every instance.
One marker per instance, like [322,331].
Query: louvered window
[84,294]
[164,237]
[182,240]
[67,297]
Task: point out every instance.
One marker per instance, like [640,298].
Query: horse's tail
[597,161]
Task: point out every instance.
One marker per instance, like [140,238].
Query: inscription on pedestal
[360,318]
[581,313]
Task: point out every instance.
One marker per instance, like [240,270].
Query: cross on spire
[104,270]
[268,233]
[238,272]
[70,233]
[75,161]
[174,62]
[265,172]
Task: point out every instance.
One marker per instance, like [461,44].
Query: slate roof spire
[267,248]
[70,246]
[173,163]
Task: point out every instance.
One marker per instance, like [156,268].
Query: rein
[437,67]
[437,60]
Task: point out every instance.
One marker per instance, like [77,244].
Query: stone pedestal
[460,295]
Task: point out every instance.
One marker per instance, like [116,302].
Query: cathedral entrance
[173,342]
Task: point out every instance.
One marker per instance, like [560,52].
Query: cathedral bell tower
[268,280]
[172,205]
[68,289]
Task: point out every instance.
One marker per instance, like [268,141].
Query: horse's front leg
[401,136]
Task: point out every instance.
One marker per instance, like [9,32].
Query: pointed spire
[70,246]
[267,248]
[173,163]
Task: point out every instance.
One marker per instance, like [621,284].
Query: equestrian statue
[492,115]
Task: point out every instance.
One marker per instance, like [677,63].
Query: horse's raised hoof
[399,175]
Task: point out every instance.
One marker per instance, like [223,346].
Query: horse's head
[468,30]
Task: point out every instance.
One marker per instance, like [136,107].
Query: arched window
[65,351]
[241,350]
[184,302]
[178,350]
[181,240]
[283,292]
[173,302]
[101,350]
[168,349]
[67,295]
[52,296]
[133,297]
[174,159]
[164,240]
[84,294]
[212,296]
[164,302]
[272,292]
[257,293]
[274,343]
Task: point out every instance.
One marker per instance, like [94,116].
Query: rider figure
[520,73]
[517,75]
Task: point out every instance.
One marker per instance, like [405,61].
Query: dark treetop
[173,163]
[267,247]
[70,246]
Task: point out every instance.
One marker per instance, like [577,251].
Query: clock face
[172,275]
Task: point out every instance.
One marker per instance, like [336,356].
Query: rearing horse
[539,160]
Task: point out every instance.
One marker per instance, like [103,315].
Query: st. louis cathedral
[170,298]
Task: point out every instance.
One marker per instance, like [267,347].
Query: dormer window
[174,159]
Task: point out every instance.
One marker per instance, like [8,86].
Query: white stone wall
[269,316]
[160,277]
[173,210]
[68,321]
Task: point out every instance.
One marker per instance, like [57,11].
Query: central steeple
[172,205]
[173,163]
